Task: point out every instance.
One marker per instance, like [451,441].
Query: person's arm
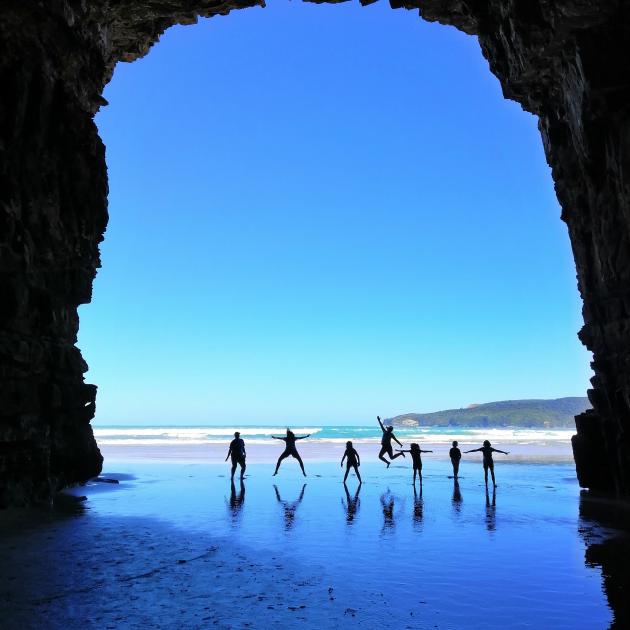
[344,457]
[425,451]
[229,452]
[302,437]
[358,458]
[396,440]
[273,437]
[496,450]
[474,450]
[402,450]
[379,421]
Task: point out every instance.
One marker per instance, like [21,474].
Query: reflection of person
[386,443]
[352,504]
[455,454]
[488,462]
[354,461]
[387,503]
[491,509]
[237,453]
[418,506]
[289,449]
[289,506]
[416,459]
[236,500]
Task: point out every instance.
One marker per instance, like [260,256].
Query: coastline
[319,451]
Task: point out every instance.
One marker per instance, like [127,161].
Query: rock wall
[563,60]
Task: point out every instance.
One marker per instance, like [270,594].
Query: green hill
[558,412]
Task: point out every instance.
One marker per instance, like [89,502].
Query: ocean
[119,435]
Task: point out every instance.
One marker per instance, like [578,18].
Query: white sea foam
[173,436]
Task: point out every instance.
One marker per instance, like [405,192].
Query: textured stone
[563,60]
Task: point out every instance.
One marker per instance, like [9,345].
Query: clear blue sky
[320,213]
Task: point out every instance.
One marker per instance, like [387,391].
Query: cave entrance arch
[563,62]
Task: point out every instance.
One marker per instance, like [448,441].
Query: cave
[563,61]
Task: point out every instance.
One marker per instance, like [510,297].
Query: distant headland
[534,413]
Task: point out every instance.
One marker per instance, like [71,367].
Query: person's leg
[456,468]
[414,477]
[345,477]
[243,467]
[233,469]
[283,456]
[391,454]
[485,474]
[300,462]
[494,483]
[356,470]
[380,456]
[420,476]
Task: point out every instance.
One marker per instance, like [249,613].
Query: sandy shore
[173,545]
[318,451]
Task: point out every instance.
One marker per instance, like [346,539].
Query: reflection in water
[236,502]
[289,507]
[604,526]
[491,510]
[351,505]
[387,502]
[457,498]
[418,507]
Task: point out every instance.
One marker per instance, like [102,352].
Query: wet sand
[171,546]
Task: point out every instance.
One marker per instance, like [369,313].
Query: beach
[174,544]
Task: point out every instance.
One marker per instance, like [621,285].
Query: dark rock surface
[563,60]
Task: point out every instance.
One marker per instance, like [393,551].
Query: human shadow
[603,526]
[491,509]
[351,504]
[289,507]
[457,498]
[236,502]
[418,507]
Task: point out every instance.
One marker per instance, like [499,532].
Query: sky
[318,214]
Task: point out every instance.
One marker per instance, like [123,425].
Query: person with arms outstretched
[354,461]
[488,462]
[237,453]
[290,450]
[455,454]
[416,459]
[386,443]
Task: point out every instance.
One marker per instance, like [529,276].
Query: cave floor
[172,546]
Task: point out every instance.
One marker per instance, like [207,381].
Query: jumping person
[488,462]
[416,459]
[237,453]
[354,461]
[290,449]
[386,443]
[455,454]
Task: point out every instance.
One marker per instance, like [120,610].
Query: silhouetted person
[352,504]
[455,454]
[418,506]
[491,508]
[236,500]
[289,506]
[354,461]
[488,462]
[387,502]
[386,443]
[290,449]
[416,460]
[237,453]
